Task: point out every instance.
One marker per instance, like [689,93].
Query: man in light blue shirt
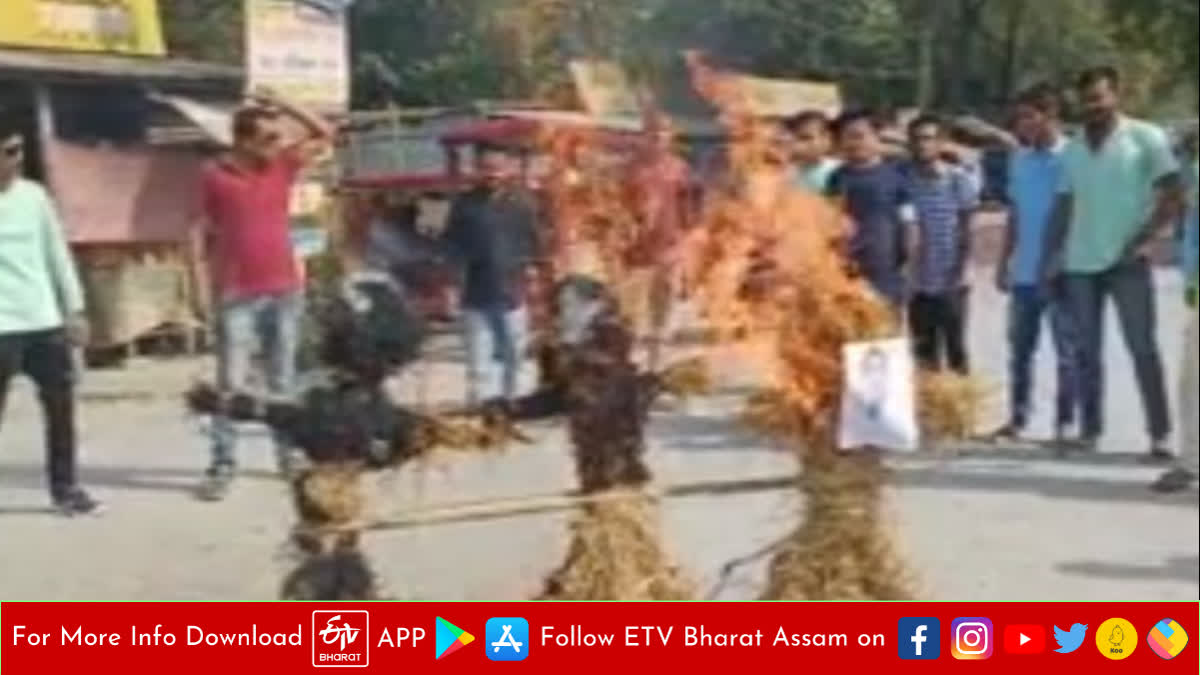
[812,138]
[1121,189]
[1035,172]
[41,303]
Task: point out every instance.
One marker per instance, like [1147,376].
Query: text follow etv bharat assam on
[193,636]
[699,636]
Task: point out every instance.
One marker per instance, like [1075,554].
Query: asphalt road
[976,524]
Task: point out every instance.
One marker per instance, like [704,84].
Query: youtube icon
[1024,639]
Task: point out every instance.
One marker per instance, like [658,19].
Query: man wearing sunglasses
[257,289]
[41,305]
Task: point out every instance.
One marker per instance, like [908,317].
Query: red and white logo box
[341,639]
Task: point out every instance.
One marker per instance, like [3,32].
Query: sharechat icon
[1070,640]
[1167,639]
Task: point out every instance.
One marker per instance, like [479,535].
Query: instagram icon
[972,639]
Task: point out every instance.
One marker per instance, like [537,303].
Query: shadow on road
[6,511]
[1173,569]
[1054,487]
[182,481]
[1039,452]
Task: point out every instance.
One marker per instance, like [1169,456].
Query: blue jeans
[1027,307]
[1131,287]
[495,340]
[271,322]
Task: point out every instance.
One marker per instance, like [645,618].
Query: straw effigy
[615,554]
[587,376]
[346,425]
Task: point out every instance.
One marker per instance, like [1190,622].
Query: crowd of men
[1084,212]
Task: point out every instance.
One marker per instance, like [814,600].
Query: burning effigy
[346,425]
[587,375]
[770,267]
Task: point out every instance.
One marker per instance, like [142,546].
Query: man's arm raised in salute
[319,133]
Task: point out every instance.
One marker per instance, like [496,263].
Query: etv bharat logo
[341,639]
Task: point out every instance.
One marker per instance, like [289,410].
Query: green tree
[1163,33]
[206,30]
[968,54]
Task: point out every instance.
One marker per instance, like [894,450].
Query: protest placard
[879,399]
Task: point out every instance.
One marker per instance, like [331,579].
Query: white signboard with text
[300,51]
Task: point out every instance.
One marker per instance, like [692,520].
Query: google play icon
[451,638]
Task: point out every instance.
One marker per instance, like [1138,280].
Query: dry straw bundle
[615,554]
[329,495]
[839,551]
[330,503]
[949,405]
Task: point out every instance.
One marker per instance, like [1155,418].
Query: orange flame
[765,261]
[767,266]
[804,297]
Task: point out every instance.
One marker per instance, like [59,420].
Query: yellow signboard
[605,89]
[121,26]
[783,98]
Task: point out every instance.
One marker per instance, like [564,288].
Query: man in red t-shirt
[257,288]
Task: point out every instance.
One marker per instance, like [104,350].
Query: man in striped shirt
[944,197]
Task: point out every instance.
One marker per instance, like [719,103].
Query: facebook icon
[920,639]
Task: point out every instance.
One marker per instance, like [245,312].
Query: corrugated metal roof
[213,122]
[72,64]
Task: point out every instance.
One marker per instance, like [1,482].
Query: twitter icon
[1069,640]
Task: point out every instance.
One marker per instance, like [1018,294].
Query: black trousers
[938,324]
[45,357]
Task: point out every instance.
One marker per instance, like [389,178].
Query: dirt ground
[982,524]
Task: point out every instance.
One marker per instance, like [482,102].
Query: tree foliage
[949,53]
[207,30]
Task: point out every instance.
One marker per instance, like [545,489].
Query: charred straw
[346,425]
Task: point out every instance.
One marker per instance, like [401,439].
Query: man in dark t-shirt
[492,232]
[873,192]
